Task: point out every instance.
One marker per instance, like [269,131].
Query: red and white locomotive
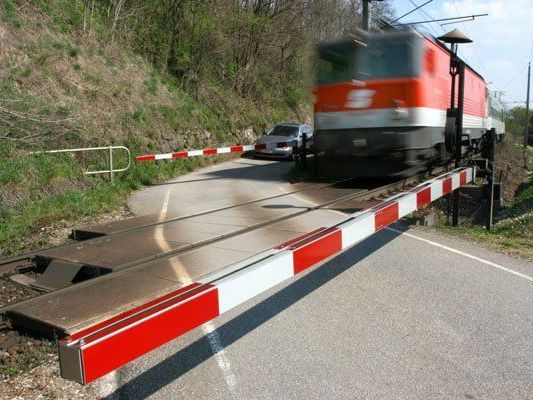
[380,106]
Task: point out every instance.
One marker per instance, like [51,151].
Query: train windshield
[337,62]
[389,58]
[382,58]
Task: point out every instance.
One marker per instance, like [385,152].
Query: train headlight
[399,110]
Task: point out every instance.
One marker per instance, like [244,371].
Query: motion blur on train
[380,104]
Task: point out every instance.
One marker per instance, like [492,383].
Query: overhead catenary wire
[422,11]
[482,65]
[514,78]
[412,11]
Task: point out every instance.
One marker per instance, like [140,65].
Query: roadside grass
[513,231]
[85,196]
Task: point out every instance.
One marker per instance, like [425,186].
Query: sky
[503,40]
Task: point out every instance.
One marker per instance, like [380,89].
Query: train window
[337,62]
[383,57]
[391,58]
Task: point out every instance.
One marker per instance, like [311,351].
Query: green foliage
[513,229]
[73,52]
[515,124]
[84,197]
[9,13]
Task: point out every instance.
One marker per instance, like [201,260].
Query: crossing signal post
[454,130]
[488,153]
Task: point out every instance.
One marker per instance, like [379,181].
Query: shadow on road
[172,368]
[272,171]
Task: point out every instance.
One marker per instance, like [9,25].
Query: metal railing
[110,149]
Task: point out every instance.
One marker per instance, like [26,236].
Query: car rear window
[283,130]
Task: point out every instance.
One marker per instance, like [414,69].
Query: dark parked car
[284,132]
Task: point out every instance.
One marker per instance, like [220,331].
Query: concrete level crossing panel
[114,251]
[88,303]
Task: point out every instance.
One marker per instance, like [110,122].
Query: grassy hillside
[64,84]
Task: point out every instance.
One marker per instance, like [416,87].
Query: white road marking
[220,354]
[164,208]
[108,384]
[462,253]
[208,328]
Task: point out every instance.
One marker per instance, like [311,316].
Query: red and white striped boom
[102,348]
[213,151]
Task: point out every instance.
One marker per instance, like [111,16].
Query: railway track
[12,315]
[21,261]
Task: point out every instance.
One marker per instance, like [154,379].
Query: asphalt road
[403,315]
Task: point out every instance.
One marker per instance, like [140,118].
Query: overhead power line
[514,78]
[412,11]
[422,11]
[445,19]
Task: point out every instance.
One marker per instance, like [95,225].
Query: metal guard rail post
[99,349]
[109,171]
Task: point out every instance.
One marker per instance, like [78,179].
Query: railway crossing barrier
[106,346]
[214,151]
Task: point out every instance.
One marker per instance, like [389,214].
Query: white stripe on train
[385,118]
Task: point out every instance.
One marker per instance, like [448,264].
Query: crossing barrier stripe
[213,151]
[93,352]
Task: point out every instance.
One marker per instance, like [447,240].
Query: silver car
[282,133]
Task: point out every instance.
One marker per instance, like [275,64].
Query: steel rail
[6,264]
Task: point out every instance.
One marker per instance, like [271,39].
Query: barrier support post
[111,163]
[490,176]
[458,134]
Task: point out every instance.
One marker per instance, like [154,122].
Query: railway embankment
[70,80]
[512,231]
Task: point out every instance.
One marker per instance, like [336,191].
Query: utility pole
[526,134]
[366,15]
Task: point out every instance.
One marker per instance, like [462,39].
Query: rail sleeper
[104,347]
